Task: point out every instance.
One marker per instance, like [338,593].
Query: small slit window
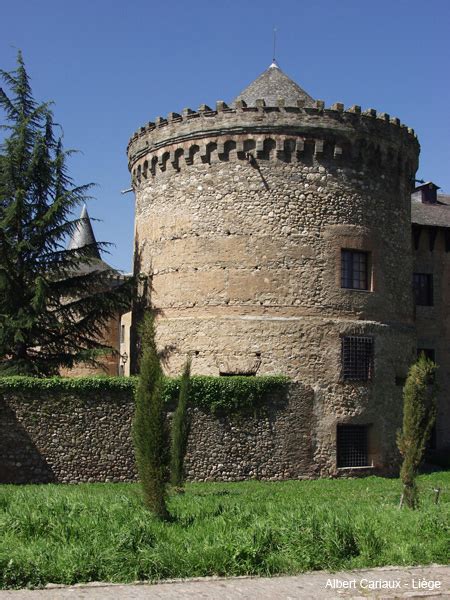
[423,289]
[237,373]
[432,440]
[357,358]
[354,269]
[352,446]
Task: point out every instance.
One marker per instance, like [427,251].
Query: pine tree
[52,311]
[419,414]
[149,424]
[180,429]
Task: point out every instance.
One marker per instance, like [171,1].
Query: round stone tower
[276,237]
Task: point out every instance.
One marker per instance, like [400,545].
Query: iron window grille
[357,358]
[354,270]
[352,446]
[423,289]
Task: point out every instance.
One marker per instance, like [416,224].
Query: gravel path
[384,583]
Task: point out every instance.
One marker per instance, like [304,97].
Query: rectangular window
[354,270]
[357,358]
[122,334]
[423,289]
[352,447]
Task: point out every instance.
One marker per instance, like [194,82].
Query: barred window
[357,358]
[423,289]
[352,447]
[354,269]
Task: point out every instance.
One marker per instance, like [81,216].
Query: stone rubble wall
[80,438]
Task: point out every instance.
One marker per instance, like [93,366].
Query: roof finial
[274,59]
[274,64]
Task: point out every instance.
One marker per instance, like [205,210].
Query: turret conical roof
[83,234]
[274,84]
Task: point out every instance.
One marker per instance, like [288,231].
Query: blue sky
[112,66]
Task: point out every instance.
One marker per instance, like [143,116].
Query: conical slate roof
[83,234]
[274,84]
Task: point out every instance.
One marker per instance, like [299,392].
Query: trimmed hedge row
[217,394]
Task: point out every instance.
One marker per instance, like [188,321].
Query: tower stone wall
[241,217]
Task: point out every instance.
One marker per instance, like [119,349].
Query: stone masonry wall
[71,439]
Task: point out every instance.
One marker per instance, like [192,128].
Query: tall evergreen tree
[52,310]
[419,415]
[180,429]
[149,424]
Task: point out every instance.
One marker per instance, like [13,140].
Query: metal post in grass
[437,492]
[149,424]
[419,414]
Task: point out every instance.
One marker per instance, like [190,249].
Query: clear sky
[111,66]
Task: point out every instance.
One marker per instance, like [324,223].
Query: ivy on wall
[216,394]
[227,394]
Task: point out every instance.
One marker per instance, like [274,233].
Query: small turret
[83,234]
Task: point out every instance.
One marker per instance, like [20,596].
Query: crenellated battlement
[205,113]
[286,133]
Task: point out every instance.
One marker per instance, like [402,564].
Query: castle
[277,237]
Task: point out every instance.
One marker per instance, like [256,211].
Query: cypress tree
[180,429]
[52,311]
[149,424]
[419,414]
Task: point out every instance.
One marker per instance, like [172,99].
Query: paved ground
[385,583]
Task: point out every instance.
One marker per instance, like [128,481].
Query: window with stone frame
[352,446]
[357,357]
[355,269]
[423,289]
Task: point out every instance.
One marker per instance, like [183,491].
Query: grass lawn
[101,532]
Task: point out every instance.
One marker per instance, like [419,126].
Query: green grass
[101,532]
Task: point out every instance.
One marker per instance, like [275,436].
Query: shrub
[180,429]
[419,414]
[149,428]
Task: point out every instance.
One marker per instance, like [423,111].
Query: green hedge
[79,385]
[217,394]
